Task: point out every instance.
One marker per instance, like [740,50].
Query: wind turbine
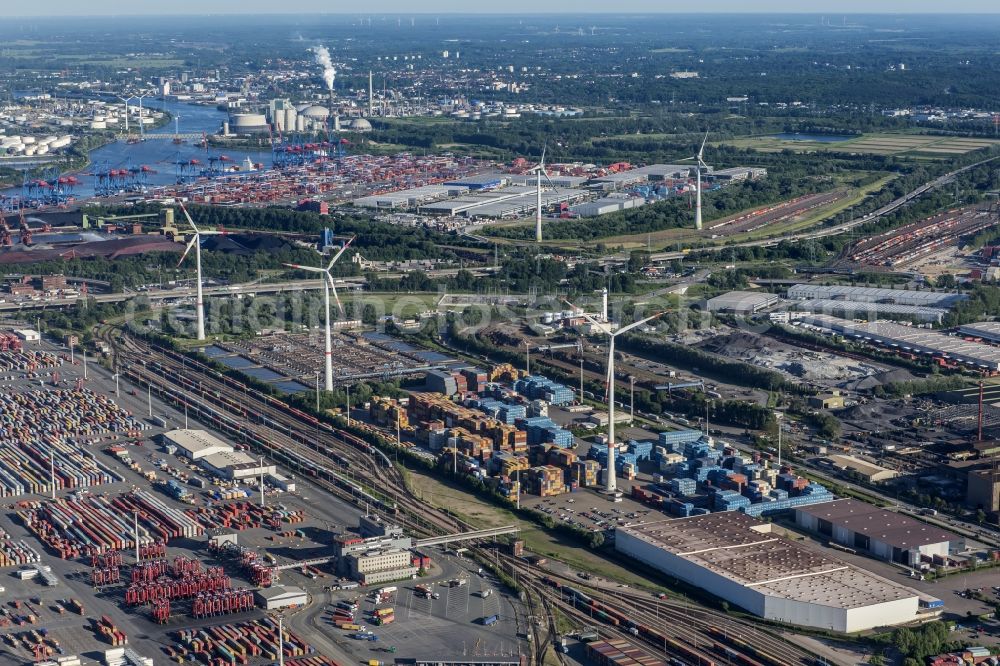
[699,165]
[328,286]
[610,481]
[539,171]
[196,243]
[126,100]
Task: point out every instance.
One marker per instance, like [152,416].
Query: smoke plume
[322,56]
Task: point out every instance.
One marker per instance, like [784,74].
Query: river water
[161,154]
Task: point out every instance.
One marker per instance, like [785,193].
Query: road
[253,287]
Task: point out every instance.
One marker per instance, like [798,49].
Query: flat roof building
[280,596]
[985,330]
[930,299]
[871,472]
[871,311]
[886,535]
[742,302]
[736,558]
[196,444]
[911,340]
[237,465]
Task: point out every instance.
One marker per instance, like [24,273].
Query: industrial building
[216,455]
[868,471]
[907,339]
[886,535]
[983,491]
[929,299]
[552,181]
[871,311]
[247,123]
[412,197]
[736,558]
[196,444]
[736,174]
[984,330]
[653,172]
[742,302]
[609,204]
[280,596]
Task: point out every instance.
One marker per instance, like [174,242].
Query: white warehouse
[735,557]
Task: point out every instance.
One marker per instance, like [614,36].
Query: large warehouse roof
[987,330]
[909,339]
[739,548]
[945,299]
[742,301]
[888,527]
[197,443]
[860,309]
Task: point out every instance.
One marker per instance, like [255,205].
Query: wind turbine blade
[311,269]
[702,149]
[194,239]
[593,321]
[607,382]
[188,216]
[547,179]
[340,252]
[636,324]
[336,297]
[541,163]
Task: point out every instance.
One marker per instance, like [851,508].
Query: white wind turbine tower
[328,286]
[699,164]
[539,171]
[196,244]
[610,480]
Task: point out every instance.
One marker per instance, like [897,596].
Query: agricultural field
[902,145]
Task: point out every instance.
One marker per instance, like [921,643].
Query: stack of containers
[684,487]
[642,450]
[728,500]
[55,425]
[674,440]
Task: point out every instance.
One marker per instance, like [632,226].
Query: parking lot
[446,628]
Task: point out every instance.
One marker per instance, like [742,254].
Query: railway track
[340,463]
[672,619]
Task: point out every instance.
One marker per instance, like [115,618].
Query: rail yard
[902,247]
[301,449]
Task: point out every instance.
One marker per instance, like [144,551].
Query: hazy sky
[409,7]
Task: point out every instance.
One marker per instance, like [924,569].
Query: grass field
[903,145]
[482,514]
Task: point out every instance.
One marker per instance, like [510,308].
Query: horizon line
[286,12]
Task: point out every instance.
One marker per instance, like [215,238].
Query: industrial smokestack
[371,96]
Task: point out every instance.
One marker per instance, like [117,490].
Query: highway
[253,287]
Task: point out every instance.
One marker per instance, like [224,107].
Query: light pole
[777,417]
[117,387]
[317,392]
[84,362]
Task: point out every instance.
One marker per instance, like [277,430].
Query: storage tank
[290,116]
[28,140]
[246,123]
